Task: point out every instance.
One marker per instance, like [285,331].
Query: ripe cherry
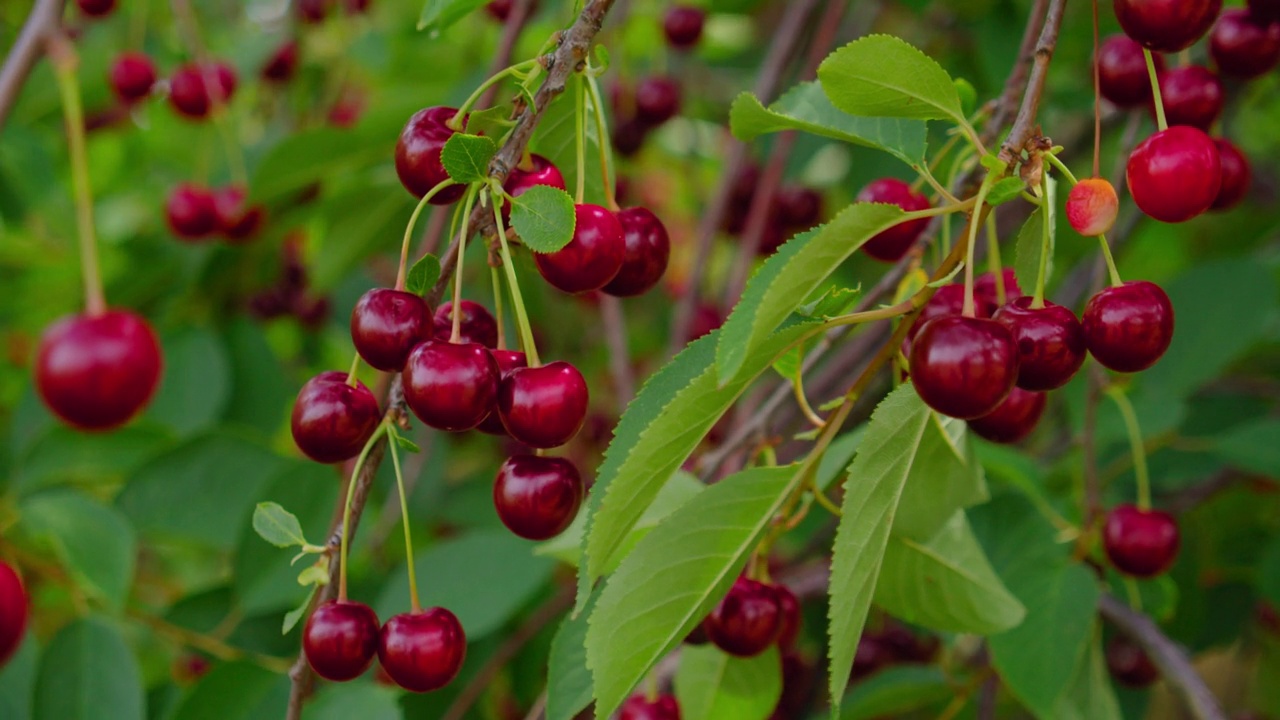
[1013,419]
[237,222]
[706,319]
[747,620]
[386,324]
[476,324]
[592,258]
[683,26]
[97,371]
[1192,95]
[640,707]
[501,9]
[1092,206]
[647,249]
[13,612]
[986,295]
[537,497]
[1129,663]
[1236,175]
[657,99]
[507,360]
[418,154]
[1122,72]
[332,420]
[191,212]
[628,136]
[1050,342]
[96,8]
[283,63]
[799,207]
[340,640]
[1128,328]
[890,245]
[949,300]
[963,367]
[450,386]
[871,655]
[789,616]
[1243,46]
[1166,25]
[1141,543]
[192,89]
[1265,10]
[539,171]
[1175,174]
[422,651]
[132,77]
[312,12]
[543,407]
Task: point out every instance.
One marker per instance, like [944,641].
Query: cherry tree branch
[1024,126]
[1017,80]
[44,20]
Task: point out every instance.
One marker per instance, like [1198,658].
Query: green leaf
[834,302]
[423,275]
[945,477]
[260,398]
[968,95]
[884,76]
[1005,190]
[788,366]
[568,679]
[195,386]
[292,617]
[313,575]
[236,691]
[713,685]
[351,236]
[698,551]
[492,121]
[544,218]
[94,541]
[806,108]
[406,444]
[1090,696]
[1269,571]
[18,680]
[277,525]
[1030,244]
[438,15]
[295,163]
[63,455]
[557,141]
[363,700]
[466,157]
[87,672]
[896,692]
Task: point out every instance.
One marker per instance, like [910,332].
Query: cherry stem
[926,175]
[456,122]
[823,500]
[1097,98]
[456,335]
[602,133]
[1062,168]
[1161,122]
[1111,263]
[1135,444]
[404,519]
[497,308]
[993,260]
[346,511]
[968,310]
[517,301]
[797,385]
[355,367]
[403,272]
[580,119]
[1046,242]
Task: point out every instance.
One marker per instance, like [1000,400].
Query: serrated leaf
[1005,190]
[884,76]
[438,15]
[945,476]
[466,157]
[568,679]
[277,525]
[710,684]
[406,444]
[544,218]
[491,122]
[834,302]
[1026,264]
[423,275]
[897,691]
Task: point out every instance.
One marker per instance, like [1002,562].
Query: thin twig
[1017,80]
[1025,124]
[45,18]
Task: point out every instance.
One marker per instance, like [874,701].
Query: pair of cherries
[192,87]
[794,209]
[194,213]
[421,651]
[751,617]
[641,109]
[314,12]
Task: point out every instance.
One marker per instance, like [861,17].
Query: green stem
[1112,272]
[993,259]
[1135,445]
[1161,122]
[602,142]
[1062,168]
[968,309]
[517,301]
[497,307]
[580,120]
[402,273]
[1046,246]
[456,335]
[456,122]
[414,604]
[355,367]
[346,511]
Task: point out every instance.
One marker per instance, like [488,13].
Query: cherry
[963,367]
[539,171]
[543,407]
[237,222]
[1013,419]
[312,12]
[984,291]
[96,8]
[132,77]
[1243,46]
[1050,341]
[501,9]
[1092,206]
[332,420]
[747,620]
[1236,175]
[189,90]
[418,154]
[789,616]
[507,360]
[871,655]
[1128,328]
[1265,10]
[890,245]
[386,324]
[1175,174]
[1141,543]
[628,136]
[450,386]
[97,371]
[1122,72]
[639,707]
[1192,95]
[592,258]
[683,26]
[357,7]
[283,63]
[949,300]
[1129,664]
[476,325]
[537,497]
[657,99]
[422,651]
[191,212]
[706,319]
[799,207]
[13,612]
[1166,25]
[347,109]
[340,640]
[647,249]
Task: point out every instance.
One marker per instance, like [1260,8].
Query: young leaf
[466,157]
[492,121]
[438,15]
[422,275]
[277,525]
[713,685]
[568,679]
[884,76]
[292,617]
[544,219]
[314,575]
[1005,190]
[406,444]
[834,302]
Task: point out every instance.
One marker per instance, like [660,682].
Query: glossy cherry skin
[14,608]
[1236,175]
[1192,95]
[191,212]
[450,387]
[657,99]
[1092,206]
[97,372]
[387,324]
[96,8]
[1166,25]
[949,300]
[543,407]
[890,245]
[283,63]
[190,92]
[1013,419]
[1128,328]
[647,249]
[1050,342]
[1175,174]
[1242,46]
[963,367]
[332,420]
[132,77]
[537,497]
[507,360]
[237,221]
[639,707]
[477,325]
[683,26]
[422,651]
[541,171]
[1265,10]
[1122,72]
[418,154]
[789,616]
[340,640]
[986,295]
[1140,543]
[748,619]
[1129,664]
[592,258]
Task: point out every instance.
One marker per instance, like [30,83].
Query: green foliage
[466,157]
[423,275]
[883,76]
[944,477]
[569,683]
[896,691]
[88,672]
[713,685]
[1030,246]
[235,691]
[94,541]
[1090,696]
[277,525]
[544,218]
[438,15]
[293,164]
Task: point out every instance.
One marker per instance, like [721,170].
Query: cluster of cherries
[421,650]
[290,295]
[792,209]
[654,99]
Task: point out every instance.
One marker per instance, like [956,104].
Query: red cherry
[347,109]
[450,387]
[132,76]
[984,291]
[386,324]
[949,300]
[543,407]
[747,620]
[312,12]
[537,497]
[592,258]
[97,371]
[1236,175]
[890,245]
[1175,174]
[1265,10]
[1092,206]
[357,7]
[1166,25]
[332,420]
[96,8]
[501,9]
[1013,419]
[1141,543]
[963,367]
[13,612]
[422,651]
[340,640]
[236,222]
[628,136]
[418,154]
[1243,46]
[647,251]
[1050,341]
[283,63]
[1122,72]
[1192,95]
[639,707]
[871,655]
[476,325]
[799,207]
[190,92]
[1129,664]
[191,212]
[683,26]
[507,360]
[789,616]
[706,319]
[1128,328]
[657,99]
[541,171]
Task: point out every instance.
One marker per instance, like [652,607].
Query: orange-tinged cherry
[1092,206]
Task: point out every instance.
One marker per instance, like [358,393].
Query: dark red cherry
[1122,72]
[386,324]
[283,63]
[789,616]
[890,245]
[357,7]
[450,387]
[963,367]
[1166,25]
[14,607]
[501,9]
[477,325]
[640,707]
[422,651]
[985,290]
[1050,342]
[1013,419]
[683,26]
[543,407]
[799,207]
[96,8]
[192,88]
[647,251]
[312,12]
[347,109]
[1265,10]
[592,258]
[537,497]
[1141,543]
[1128,328]
[629,135]
[657,99]
[1242,46]
[507,360]
[340,640]
[1192,95]
[418,154]
[132,76]
[904,646]
[706,319]
[332,420]
[1175,174]
[97,371]
[237,222]
[747,620]
[1129,664]
[540,171]
[1236,175]
[871,655]
[191,212]
[949,300]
